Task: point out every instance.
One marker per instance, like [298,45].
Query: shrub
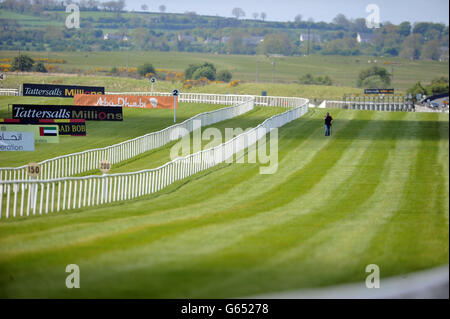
[326,80]
[146,68]
[189,72]
[309,79]
[196,71]
[417,89]
[234,83]
[204,72]
[306,79]
[39,67]
[224,76]
[375,71]
[437,85]
[22,63]
[373,82]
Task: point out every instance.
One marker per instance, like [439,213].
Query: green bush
[196,71]
[22,63]
[326,80]
[145,69]
[306,79]
[39,67]
[189,72]
[309,79]
[384,78]
[204,72]
[437,85]
[373,82]
[224,76]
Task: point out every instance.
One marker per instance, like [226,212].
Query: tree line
[190,32]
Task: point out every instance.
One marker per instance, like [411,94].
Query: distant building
[115,36]
[310,37]
[444,54]
[188,38]
[365,37]
[211,41]
[251,40]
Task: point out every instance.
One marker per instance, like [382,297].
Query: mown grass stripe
[336,209]
[419,226]
[338,251]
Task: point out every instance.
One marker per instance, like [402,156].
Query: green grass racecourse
[376,192]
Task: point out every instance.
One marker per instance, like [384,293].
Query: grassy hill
[342,70]
[375,192]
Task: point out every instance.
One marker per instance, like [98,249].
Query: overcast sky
[394,11]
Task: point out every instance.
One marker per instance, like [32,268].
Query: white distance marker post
[152,81]
[33,170]
[175,93]
[104,166]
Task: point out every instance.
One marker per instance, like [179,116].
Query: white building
[364,37]
[310,37]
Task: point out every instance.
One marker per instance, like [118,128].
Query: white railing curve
[85,161]
[38,197]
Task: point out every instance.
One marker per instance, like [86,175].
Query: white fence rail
[371,106]
[77,163]
[38,197]
[426,109]
[9,92]
[225,99]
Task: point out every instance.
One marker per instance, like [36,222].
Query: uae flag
[48,131]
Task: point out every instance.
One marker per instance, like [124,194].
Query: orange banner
[146,102]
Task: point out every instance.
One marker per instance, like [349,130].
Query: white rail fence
[9,92]
[38,197]
[225,99]
[426,109]
[77,163]
[371,106]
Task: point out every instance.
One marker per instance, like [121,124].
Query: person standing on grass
[328,121]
